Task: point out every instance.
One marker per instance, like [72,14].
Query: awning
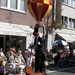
[14,29]
[73,36]
[67,37]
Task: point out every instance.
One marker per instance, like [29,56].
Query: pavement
[51,67]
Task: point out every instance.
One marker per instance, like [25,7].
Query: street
[58,71]
[55,70]
[64,71]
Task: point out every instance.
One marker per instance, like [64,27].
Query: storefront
[12,35]
[8,41]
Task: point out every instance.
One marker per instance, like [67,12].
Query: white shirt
[2,54]
[31,51]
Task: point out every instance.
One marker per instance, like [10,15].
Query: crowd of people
[19,58]
[65,57]
[27,58]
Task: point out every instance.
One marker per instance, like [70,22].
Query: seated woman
[2,68]
[11,60]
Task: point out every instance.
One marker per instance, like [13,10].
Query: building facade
[16,24]
[67,33]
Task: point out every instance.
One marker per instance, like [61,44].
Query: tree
[56,23]
[56,10]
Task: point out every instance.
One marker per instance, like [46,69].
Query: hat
[35,33]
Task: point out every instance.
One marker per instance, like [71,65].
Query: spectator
[11,60]
[7,54]
[14,50]
[57,57]
[30,54]
[2,54]
[25,55]
[19,60]
[2,68]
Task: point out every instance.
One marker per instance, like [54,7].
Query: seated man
[19,60]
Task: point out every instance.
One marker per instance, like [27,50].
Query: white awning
[14,29]
[67,37]
[73,36]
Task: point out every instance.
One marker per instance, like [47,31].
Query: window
[64,19]
[73,23]
[69,2]
[63,1]
[22,5]
[66,1]
[70,23]
[15,5]
[73,3]
[4,3]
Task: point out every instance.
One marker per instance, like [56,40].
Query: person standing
[39,55]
